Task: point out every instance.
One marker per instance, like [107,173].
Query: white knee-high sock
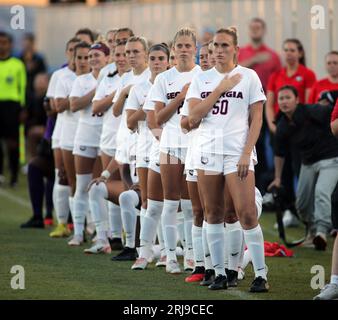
[255,242]
[235,235]
[80,201]
[143,212]
[128,201]
[71,207]
[149,227]
[180,227]
[98,207]
[188,222]
[226,247]
[115,220]
[169,227]
[56,182]
[206,250]
[61,205]
[215,234]
[160,238]
[246,259]
[198,246]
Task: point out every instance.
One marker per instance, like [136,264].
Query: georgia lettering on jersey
[166,88]
[224,129]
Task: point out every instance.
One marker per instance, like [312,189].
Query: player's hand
[228,83]
[243,166]
[184,91]
[96,181]
[276,183]
[125,91]
[272,128]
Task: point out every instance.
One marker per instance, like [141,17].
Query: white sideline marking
[18,200]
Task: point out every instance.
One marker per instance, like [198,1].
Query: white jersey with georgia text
[166,87]
[224,129]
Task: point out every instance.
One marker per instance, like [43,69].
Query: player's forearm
[334,128]
[79,103]
[134,118]
[256,122]
[279,164]
[61,104]
[163,115]
[103,104]
[202,108]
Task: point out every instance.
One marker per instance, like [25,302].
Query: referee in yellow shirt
[12,99]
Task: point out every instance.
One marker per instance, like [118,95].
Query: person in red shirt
[256,55]
[330,83]
[294,73]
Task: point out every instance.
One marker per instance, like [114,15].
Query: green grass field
[55,271]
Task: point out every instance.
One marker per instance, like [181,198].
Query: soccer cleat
[173,267]
[329,292]
[220,282]
[232,276]
[76,241]
[33,223]
[162,262]
[320,241]
[259,285]
[99,247]
[188,264]
[209,277]
[196,276]
[60,231]
[115,244]
[127,254]
[140,264]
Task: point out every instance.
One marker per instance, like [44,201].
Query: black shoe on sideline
[33,223]
[209,277]
[115,244]
[259,285]
[220,282]
[127,254]
[232,276]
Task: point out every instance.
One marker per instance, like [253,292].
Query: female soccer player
[102,103]
[150,180]
[70,120]
[168,94]
[87,137]
[228,101]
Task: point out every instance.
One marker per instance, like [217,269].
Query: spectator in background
[12,99]
[307,128]
[34,63]
[330,83]
[294,73]
[36,119]
[259,57]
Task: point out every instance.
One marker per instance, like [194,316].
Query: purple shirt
[49,128]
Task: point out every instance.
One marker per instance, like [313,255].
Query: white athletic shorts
[126,152]
[155,156]
[191,175]
[68,135]
[85,151]
[220,163]
[179,153]
[108,152]
[57,133]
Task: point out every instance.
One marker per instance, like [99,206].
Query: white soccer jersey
[82,85]
[70,119]
[110,123]
[166,87]
[225,128]
[108,69]
[88,131]
[51,90]
[127,79]
[136,100]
